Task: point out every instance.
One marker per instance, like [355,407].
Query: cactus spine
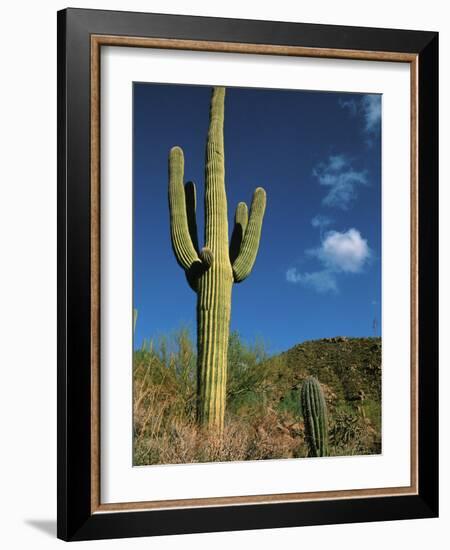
[212,270]
[314,411]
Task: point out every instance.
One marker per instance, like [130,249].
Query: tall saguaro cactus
[212,270]
[314,411]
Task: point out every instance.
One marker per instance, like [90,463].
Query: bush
[263,417]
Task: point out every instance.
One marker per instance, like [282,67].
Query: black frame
[75,521]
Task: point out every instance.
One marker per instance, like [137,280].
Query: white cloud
[322,281]
[321,221]
[339,252]
[337,162]
[347,252]
[342,180]
[350,104]
[369,107]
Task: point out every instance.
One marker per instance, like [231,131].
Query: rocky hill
[350,367]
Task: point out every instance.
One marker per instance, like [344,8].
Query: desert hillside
[263,416]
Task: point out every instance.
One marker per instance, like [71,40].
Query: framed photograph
[247,254]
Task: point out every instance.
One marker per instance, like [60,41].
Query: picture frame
[81,36]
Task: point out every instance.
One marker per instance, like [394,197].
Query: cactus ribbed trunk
[214,286]
[212,270]
[315,416]
[213,327]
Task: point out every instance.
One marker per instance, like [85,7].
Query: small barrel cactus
[314,411]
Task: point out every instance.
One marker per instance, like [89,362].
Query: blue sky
[318,156]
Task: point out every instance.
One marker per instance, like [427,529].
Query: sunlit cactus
[212,270]
[314,411]
[135,315]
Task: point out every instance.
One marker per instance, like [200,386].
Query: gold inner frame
[97,41]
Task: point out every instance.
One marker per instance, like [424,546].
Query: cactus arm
[240,225]
[197,269]
[243,264]
[191,207]
[207,257]
[182,244]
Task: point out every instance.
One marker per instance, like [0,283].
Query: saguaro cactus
[212,270]
[314,411]
[135,316]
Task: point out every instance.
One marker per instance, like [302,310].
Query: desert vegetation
[264,417]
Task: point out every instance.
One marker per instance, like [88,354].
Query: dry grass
[262,420]
[185,442]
